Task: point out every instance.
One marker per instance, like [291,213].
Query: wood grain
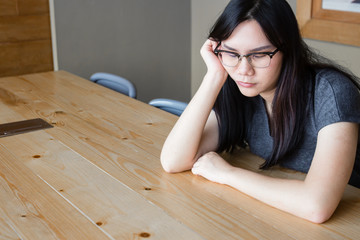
[34,209]
[6,231]
[25,37]
[108,150]
[33,7]
[8,7]
[106,201]
[25,28]
[25,57]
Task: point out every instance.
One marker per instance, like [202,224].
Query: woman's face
[248,37]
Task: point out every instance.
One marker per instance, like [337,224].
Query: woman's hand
[211,60]
[212,167]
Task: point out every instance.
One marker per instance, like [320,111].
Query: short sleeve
[336,99]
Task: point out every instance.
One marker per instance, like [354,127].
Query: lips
[245,84]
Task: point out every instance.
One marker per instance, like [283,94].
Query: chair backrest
[115,83]
[169,105]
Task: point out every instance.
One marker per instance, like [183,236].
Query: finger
[214,44]
[208,45]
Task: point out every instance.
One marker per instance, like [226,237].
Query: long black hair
[279,24]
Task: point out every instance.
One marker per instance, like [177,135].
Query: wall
[156,44]
[203,15]
[205,12]
[147,42]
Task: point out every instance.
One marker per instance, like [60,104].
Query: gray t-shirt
[336,99]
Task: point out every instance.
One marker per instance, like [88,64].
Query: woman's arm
[315,198]
[196,131]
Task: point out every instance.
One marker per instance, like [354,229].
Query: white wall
[204,14]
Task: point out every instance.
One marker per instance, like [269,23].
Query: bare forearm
[315,198]
[182,145]
[294,196]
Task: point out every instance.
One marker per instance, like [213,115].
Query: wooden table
[96,175]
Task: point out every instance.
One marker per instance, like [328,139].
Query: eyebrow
[252,50]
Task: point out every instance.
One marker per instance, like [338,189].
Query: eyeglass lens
[255,60]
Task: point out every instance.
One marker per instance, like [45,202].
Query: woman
[264,88]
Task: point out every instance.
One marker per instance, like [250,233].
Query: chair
[115,83]
[169,105]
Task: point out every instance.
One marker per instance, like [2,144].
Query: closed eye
[232,54]
[258,55]
[228,53]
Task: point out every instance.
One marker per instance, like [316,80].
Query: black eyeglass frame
[239,56]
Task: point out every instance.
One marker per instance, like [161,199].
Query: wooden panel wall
[25,37]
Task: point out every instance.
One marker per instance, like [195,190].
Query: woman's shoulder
[334,83]
[327,77]
[336,98]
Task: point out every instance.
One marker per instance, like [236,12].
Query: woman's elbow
[174,163]
[319,213]
[169,163]
[168,167]
[319,217]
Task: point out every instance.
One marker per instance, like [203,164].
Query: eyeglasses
[256,60]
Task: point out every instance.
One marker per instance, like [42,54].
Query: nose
[244,67]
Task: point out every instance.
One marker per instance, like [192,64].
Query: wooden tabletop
[96,174]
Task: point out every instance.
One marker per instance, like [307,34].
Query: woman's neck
[268,106]
[268,100]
